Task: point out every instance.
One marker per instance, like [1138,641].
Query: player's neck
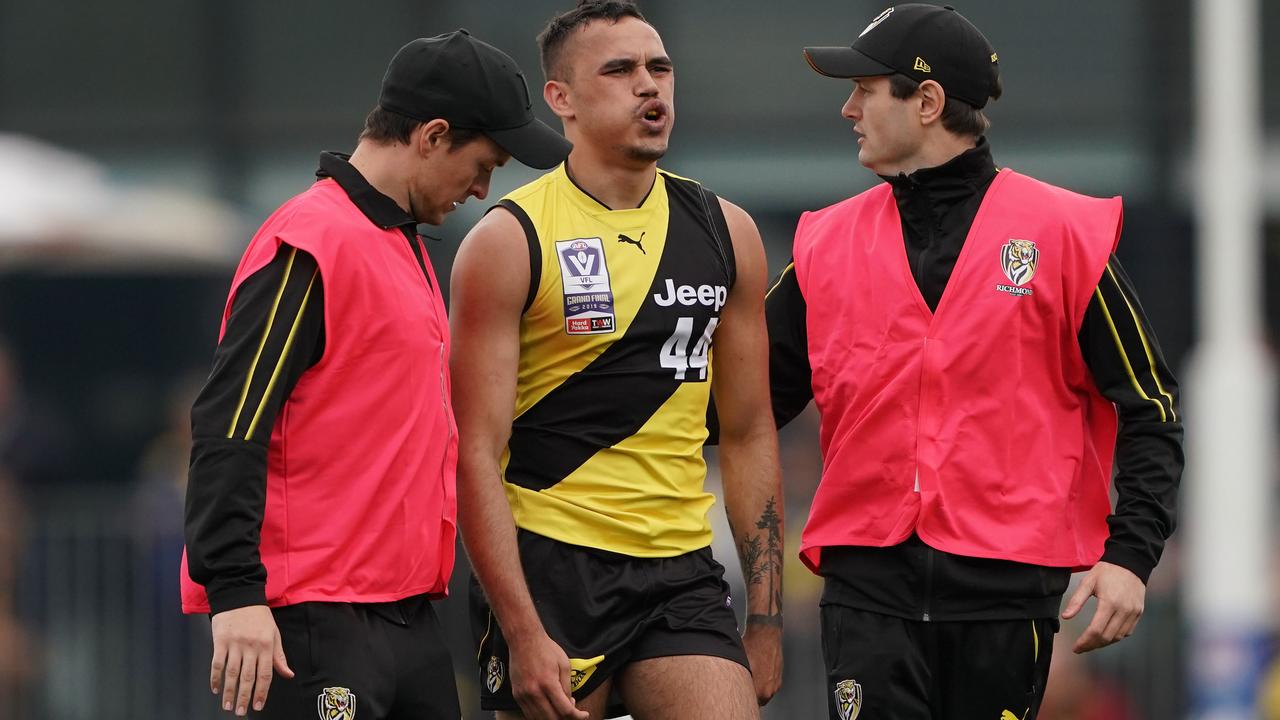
[619,187]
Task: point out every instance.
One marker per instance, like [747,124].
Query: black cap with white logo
[923,42]
[473,85]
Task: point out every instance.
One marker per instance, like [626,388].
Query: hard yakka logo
[624,239]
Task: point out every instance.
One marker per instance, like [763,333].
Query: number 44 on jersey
[675,353]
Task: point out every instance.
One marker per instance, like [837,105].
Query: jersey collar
[593,200]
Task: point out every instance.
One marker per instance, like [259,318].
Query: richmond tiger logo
[336,703]
[1018,259]
[848,699]
[494,674]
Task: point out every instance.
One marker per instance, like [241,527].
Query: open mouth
[654,114]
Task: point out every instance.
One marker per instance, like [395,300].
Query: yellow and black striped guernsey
[614,375]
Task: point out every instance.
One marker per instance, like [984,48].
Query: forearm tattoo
[761,556]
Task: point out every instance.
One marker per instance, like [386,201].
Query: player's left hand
[764,652]
[1120,594]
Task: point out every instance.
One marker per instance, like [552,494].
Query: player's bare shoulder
[498,230]
[494,256]
[740,223]
[748,247]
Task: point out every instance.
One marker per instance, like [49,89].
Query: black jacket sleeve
[274,334]
[1130,371]
[790,377]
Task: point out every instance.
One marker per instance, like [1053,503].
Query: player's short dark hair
[552,38]
[958,116]
[385,126]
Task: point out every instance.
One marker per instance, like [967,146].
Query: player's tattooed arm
[761,556]
[749,451]
[748,441]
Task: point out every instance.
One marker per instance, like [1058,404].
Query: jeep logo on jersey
[848,699]
[714,295]
[1018,260]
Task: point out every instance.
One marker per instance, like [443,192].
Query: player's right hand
[246,645]
[540,680]
[763,644]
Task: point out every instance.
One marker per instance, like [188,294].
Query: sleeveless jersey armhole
[705,205]
[535,249]
[720,231]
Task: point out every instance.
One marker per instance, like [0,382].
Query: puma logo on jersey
[714,295]
[624,239]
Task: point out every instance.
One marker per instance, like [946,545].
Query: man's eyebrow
[660,60]
[617,64]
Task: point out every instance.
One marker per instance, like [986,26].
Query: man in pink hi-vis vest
[321,503]
[978,357]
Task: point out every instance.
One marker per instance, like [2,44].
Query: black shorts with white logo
[367,661]
[881,666]
[606,610]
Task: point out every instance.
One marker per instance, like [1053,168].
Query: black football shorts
[363,661]
[880,666]
[607,610]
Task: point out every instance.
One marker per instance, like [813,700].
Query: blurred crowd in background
[141,144]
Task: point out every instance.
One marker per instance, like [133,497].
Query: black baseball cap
[473,85]
[923,42]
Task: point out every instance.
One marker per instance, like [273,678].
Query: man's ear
[932,101]
[556,93]
[431,136]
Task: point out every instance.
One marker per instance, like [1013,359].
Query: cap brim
[844,62]
[535,144]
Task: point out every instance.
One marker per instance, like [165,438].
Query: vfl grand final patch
[494,674]
[336,703]
[848,699]
[1018,259]
[588,297]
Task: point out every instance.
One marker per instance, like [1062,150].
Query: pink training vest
[361,498]
[987,405]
